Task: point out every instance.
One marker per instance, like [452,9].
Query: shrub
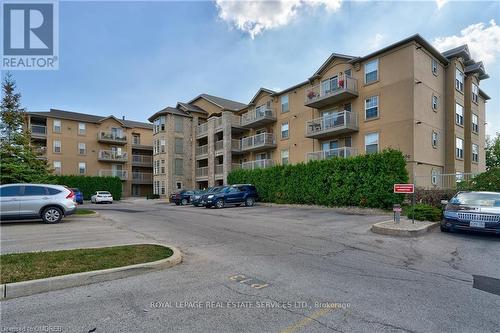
[89,184]
[423,212]
[432,197]
[486,181]
[365,181]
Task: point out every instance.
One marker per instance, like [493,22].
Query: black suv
[232,195]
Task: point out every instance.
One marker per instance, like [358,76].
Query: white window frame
[459,148]
[285,157]
[434,67]
[178,172]
[377,142]
[181,150]
[475,155]
[57,126]
[285,133]
[57,167]
[163,145]
[80,164]
[55,146]
[82,151]
[287,103]
[434,177]
[434,139]
[82,128]
[375,61]
[376,105]
[459,80]
[162,167]
[435,102]
[475,93]
[179,124]
[475,123]
[459,116]
[136,139]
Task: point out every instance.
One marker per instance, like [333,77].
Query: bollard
[397,213]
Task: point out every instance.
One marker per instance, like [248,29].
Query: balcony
[235,166]
[112,156]
[123,175]
[40,152]
[258,117]
[202,130]
[142,178]
[38,131]
[219,146]
[202,172]
[219,169]
[333,124]
[110,137]
[201,151]
[326,154]
[257,164]
[236,146]
[137,145]
[331,92]
[142,160]
[258,142]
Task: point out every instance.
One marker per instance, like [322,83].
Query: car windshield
[476,199]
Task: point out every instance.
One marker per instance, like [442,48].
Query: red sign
[404,188]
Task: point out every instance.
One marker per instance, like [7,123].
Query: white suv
[32,201]
[101,196]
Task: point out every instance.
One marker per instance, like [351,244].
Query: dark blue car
[231,195]
[182,197]
[196,200]
[78,195]
[474,211]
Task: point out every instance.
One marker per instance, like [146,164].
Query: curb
[31,287]
[348,210]
[85,216]
[382,229]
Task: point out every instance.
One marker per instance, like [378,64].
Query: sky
[134,58]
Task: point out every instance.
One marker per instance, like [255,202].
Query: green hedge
[486,181]
[423,212]
[89,185]
[365,181]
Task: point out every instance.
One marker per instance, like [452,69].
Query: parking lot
[264,269]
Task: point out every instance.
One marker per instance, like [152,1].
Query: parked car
[101,197]
[477,211]
[198,197]
[33,201]
[182,197]
[78,195]
[232,195]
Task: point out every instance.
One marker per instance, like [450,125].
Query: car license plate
[476,224]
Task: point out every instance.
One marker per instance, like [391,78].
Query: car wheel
[196,205]
[219,203]
[177,204]
[52,215]
[444,229]
[249,202]
[184,202]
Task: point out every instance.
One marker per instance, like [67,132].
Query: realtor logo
[30,35]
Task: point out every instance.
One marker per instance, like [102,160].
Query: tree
[493,152]
[18,163]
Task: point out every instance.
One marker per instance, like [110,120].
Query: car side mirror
[444,202]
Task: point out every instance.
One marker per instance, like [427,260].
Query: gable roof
[459,51]
[223,103]
[190,108]
[332,57]
[88,118]
[261,89]
[169,110]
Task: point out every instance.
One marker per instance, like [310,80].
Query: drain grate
[486,283]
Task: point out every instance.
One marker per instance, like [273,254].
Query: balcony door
[116,170]
[116,151]
[117,132]
[329,145]
[329,85]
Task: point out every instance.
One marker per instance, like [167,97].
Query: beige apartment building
[82,144]
[406,96]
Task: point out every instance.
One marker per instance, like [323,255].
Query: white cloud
[483,41]
[441,3]
[254,17]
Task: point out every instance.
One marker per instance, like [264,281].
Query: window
[178,185]
[57,146]
[156,169]
[459,114]
[156,146]
[284,130]
[435,102]
[459,80]
[179,124]
[179,167]
[459,148]
[348,73]
[162,145]
[371,107]
[475,123]
[57,167]
[475,93]
[371,143]
[159,124]
[434,139]
[34,190]
[82,168]
[162,169]
[475,153]
[10,191]
[136,139]
[371,71]
[179,146]
[284,157]
[434,67]
[56,128]
[156,187]
[434,177]
[284,104]
[82,128]
[82,149]
[162,187]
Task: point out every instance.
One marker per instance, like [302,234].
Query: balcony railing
[122,174]
[235,145]
[259,141]
[257,164]
[331,91]
[219,169]
[38,130]
[201,150]
[112,156]
[258,117]
[336,123]
[326,154]
[236,120]
[219,145]
[142,160]
[111,137]
[202,172]
[235,166]
[202,129]
[142,178]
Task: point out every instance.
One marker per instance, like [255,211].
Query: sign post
[407,189]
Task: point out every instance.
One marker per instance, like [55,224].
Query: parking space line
[306,321]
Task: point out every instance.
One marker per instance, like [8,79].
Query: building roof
[459,51]
[484,95]
[477,67]
[190,108]
[261,89]
[169,110]
[330,59]
[223,103]
[88,118]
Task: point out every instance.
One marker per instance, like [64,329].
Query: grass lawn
[18,267]
[84,211]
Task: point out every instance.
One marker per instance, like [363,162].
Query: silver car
[33,201]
